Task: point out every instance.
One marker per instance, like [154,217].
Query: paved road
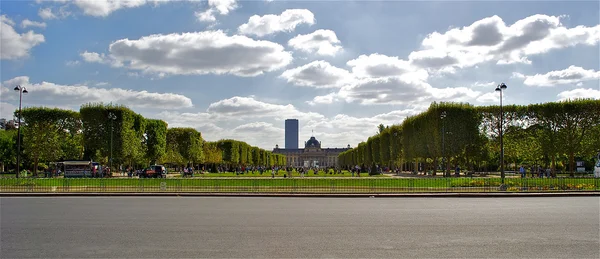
[242,227]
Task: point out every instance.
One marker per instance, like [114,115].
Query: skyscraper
[291,134]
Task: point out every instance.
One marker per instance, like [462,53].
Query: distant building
[291,134]
[312,155]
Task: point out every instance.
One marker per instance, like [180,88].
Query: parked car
[154,171]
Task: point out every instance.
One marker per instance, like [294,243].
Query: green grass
[321,185]
[281,173]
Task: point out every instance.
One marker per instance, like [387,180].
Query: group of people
[536,171]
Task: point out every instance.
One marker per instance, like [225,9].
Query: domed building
[312,155]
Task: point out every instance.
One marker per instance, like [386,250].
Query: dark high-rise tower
[291,134]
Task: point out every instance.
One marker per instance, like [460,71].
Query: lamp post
[22,91]
[500,88]
[112,117]
[442,117]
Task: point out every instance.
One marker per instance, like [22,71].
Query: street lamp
[22,91]
[442,117]
[500,88]
[112,117]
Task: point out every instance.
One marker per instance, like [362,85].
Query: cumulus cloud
[490,39]
[206,16]
[571,75]
[7,110]
[46,14]
[321,42]
[579,93]
[400,90]
[378,65]
[103,8]
[51,94]
[261,123]
[248,107]
[318,74]
[222,7]
[195,53]
[15,45]
[27,23]
[287,21]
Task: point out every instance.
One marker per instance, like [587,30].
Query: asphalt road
[232,227]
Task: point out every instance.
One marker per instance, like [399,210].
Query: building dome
[312,143]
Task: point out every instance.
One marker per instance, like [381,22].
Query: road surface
[250,227]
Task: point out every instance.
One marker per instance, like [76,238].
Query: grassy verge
[319,185]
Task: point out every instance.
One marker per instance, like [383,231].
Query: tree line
[553,135]
[100,132]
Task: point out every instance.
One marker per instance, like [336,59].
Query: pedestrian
[522,171]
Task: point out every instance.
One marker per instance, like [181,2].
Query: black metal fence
[297,185]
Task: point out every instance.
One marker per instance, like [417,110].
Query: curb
[314,195]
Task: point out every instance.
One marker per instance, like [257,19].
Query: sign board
[580,169]
[580,164]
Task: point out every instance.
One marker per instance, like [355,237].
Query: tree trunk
[435,165]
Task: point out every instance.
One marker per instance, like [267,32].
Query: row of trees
[233,152]
[550,135]
[100,132]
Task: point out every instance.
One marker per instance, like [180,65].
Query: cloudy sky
[238,69]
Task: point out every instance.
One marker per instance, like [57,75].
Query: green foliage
[536,134]
[156,140]
[126,130]
[184,145]
[44,132]
[8,148]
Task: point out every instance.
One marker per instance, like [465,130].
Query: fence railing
[297,185]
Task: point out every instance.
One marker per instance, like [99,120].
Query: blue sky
[236,69]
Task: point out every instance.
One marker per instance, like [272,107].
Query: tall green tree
[156,140]
[43,130]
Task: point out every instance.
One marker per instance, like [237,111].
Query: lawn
[309,185]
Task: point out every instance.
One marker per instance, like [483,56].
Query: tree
[8,148]
[126,132]
[43,130]
[381,128]
[156,140]
[184,145]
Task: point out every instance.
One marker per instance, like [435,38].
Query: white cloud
[377,65]
[102,8]
[196,53]
[27,23]
[247,107]
[93,57]
[491,97]
[402,90]
[318,74]
[72,63]
[271,23]
[570,75]
[322,42]
[206,16]
[15,45]
[7,110]
[223,6]
[46,14]
[490,39]
[484,84]
[261,124]
[324,99]
[50,94]
[579,93]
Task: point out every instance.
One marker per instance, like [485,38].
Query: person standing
[522,171]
